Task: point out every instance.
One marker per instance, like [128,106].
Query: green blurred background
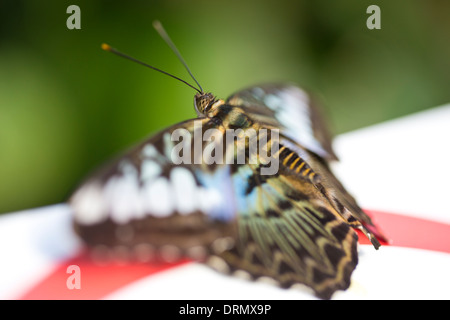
[66,106]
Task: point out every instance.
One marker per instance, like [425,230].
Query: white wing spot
[257,92]
[268,280]
[88,204]
[294,116]
[157,197]
[150,151]
[242,275]
[122,193]
[185,190]
[127,168]
[168,145]
[209,199]
[273,102]
[150,170]
[218,264]
[222,244]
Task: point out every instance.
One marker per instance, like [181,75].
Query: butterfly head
[205,102]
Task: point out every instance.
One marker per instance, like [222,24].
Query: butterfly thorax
[228,116]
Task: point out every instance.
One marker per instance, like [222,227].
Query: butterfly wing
[290,109]
[304,131]
[288,231]
[145,200]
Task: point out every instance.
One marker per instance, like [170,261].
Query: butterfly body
[293,225]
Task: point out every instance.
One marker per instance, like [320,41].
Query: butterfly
[294,225]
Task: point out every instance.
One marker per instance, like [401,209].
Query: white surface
[400,166]
[389,273]
[32,242]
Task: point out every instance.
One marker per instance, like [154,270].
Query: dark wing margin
[143,200]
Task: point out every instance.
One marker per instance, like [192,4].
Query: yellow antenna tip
[106,47]
[156,24]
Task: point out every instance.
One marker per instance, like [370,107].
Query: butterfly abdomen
[290,161]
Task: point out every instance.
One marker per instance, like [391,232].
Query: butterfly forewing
[143,198]
[289,109]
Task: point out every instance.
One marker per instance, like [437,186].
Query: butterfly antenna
[162,32]
[107,47]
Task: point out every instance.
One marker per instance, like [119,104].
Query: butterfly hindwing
[289,232]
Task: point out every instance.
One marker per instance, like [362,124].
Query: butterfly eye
[203,102]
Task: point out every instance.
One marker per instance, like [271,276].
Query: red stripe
[410,232]
[96,281]
[99,281]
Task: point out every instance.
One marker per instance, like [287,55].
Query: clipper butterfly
[293,226]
